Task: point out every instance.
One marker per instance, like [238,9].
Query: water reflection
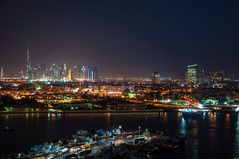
[236,140]
[228,117]
[213,117]
[192,148]
[108,117]
[190,127]
[53,116]
[214,135]
[183,127]
[165,117]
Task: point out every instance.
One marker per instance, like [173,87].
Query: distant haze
[122,38]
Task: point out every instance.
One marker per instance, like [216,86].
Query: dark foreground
[107,144]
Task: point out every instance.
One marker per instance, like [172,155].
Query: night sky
[121,37]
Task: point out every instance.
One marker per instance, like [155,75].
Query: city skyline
[109,79]
[55,72]
[44,72]
[28,65]
[122,38]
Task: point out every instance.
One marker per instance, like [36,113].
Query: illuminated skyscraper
[202,76]
[42,71]
[63,72]
[77,72]
[29,69]
[55,72]
[58,72]
[192,74]
[89,73]
[216,76]
[84,73]
[69,76]
[92,74]
[155,78]
[2,75]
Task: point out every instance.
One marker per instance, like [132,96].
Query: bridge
[193,102]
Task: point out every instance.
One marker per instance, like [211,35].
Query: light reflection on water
[183,127]
[215,135]
[236,141]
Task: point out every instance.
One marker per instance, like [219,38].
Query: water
[212,136]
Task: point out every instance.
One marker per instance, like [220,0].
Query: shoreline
[88,111]
[104,111]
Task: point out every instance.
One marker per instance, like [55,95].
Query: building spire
[28,75]
[28,57]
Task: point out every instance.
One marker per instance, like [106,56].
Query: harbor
[140,143]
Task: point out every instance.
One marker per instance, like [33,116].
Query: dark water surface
[211,136]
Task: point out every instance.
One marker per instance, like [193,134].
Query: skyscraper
[55,72]
[84,73]
[155,78]
[92,74]
[192,74]
[63,72]
[58,72]
[202,76]
[69,76]
[2,75]
[216,76]
[29,70]
[77,72]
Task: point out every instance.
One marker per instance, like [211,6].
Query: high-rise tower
[156,78]
[192,74]
[28,56]
[29,72]
[2,74]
